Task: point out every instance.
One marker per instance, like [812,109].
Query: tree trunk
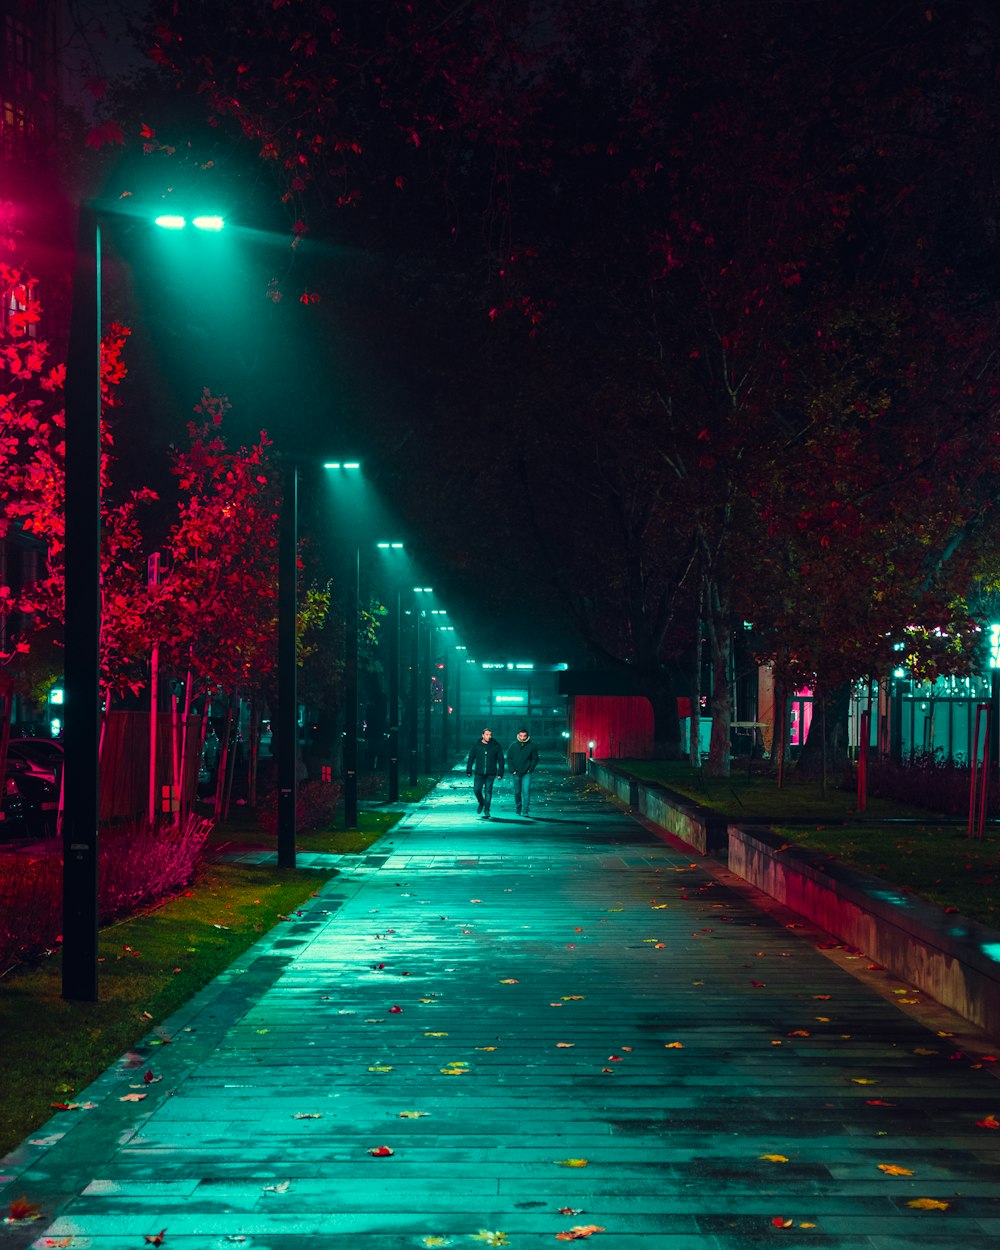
[721,703]
[830,710]
[666,723]
[694,695]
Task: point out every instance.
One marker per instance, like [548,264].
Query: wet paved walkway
[561,1030]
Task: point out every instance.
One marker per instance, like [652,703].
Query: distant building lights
[524,666]
[899,672]
[56,694]
[208,222]
[995,646]
[170,221]
[509,698]
[342,464]
[423,590]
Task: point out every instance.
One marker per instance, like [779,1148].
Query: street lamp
[415,678]
[352,625]
[393,680]
[81,733]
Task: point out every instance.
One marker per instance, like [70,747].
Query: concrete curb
[948,956]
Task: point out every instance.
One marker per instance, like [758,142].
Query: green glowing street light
[173,221]
[393,680]
[81,732]
[352,626]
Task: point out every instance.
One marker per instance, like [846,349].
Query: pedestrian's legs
[488,792]
[518,780]
[477,786]
[525,788]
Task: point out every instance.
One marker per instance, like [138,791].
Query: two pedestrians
[486,763]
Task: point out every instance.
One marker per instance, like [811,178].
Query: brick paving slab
[584,1016]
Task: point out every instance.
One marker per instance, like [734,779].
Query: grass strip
[151,964]
[937,862]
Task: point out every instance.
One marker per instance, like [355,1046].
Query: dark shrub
[137,865]
[315,808]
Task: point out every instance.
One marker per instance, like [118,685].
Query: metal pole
[351,695]
[428,676]
[414,692]
[288,696]
[394,699]
[83,619]
[445,717]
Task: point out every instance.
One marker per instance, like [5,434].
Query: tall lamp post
[352,626]
[81,734]
[415,680]
[393,680]
[445,715]
[288,695]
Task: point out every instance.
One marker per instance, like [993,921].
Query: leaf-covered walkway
[514,1033]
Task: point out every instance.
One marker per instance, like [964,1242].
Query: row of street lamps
[83,396]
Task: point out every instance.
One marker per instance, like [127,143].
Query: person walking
[522,760]
[486,764]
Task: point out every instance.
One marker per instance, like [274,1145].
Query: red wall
[620,726]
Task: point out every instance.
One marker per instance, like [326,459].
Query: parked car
[42,755]
[39,798]
[12,813]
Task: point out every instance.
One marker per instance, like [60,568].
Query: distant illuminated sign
[56,694]
[995,646]
[511,696]
[494,666]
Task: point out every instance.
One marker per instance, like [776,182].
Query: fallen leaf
[989,1121]
[435,1035]
[799,1033]
[380,1152]
[155,1239]
[65,1106]
[282,1187]
[22,1209]
[863,1080]
[564,1045]
[927,1204]
[490,1238]
[412,1115]
[573,998]
[308,1115]
[878,1102]
[572,1163]
[774,1158]
[383,1067]
[579,1232]
[132,1097]
[760,985]
[485,1048]
[893,1169]
[673,1045]
[779,1221]
[571,1210]
[395,1011]
[509,981]
[923,1050]
[436,1242]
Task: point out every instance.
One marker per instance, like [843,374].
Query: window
[19,55]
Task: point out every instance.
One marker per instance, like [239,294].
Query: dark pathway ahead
[520,1033]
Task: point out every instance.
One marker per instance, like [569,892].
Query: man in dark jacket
[522,760]
[486,762]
